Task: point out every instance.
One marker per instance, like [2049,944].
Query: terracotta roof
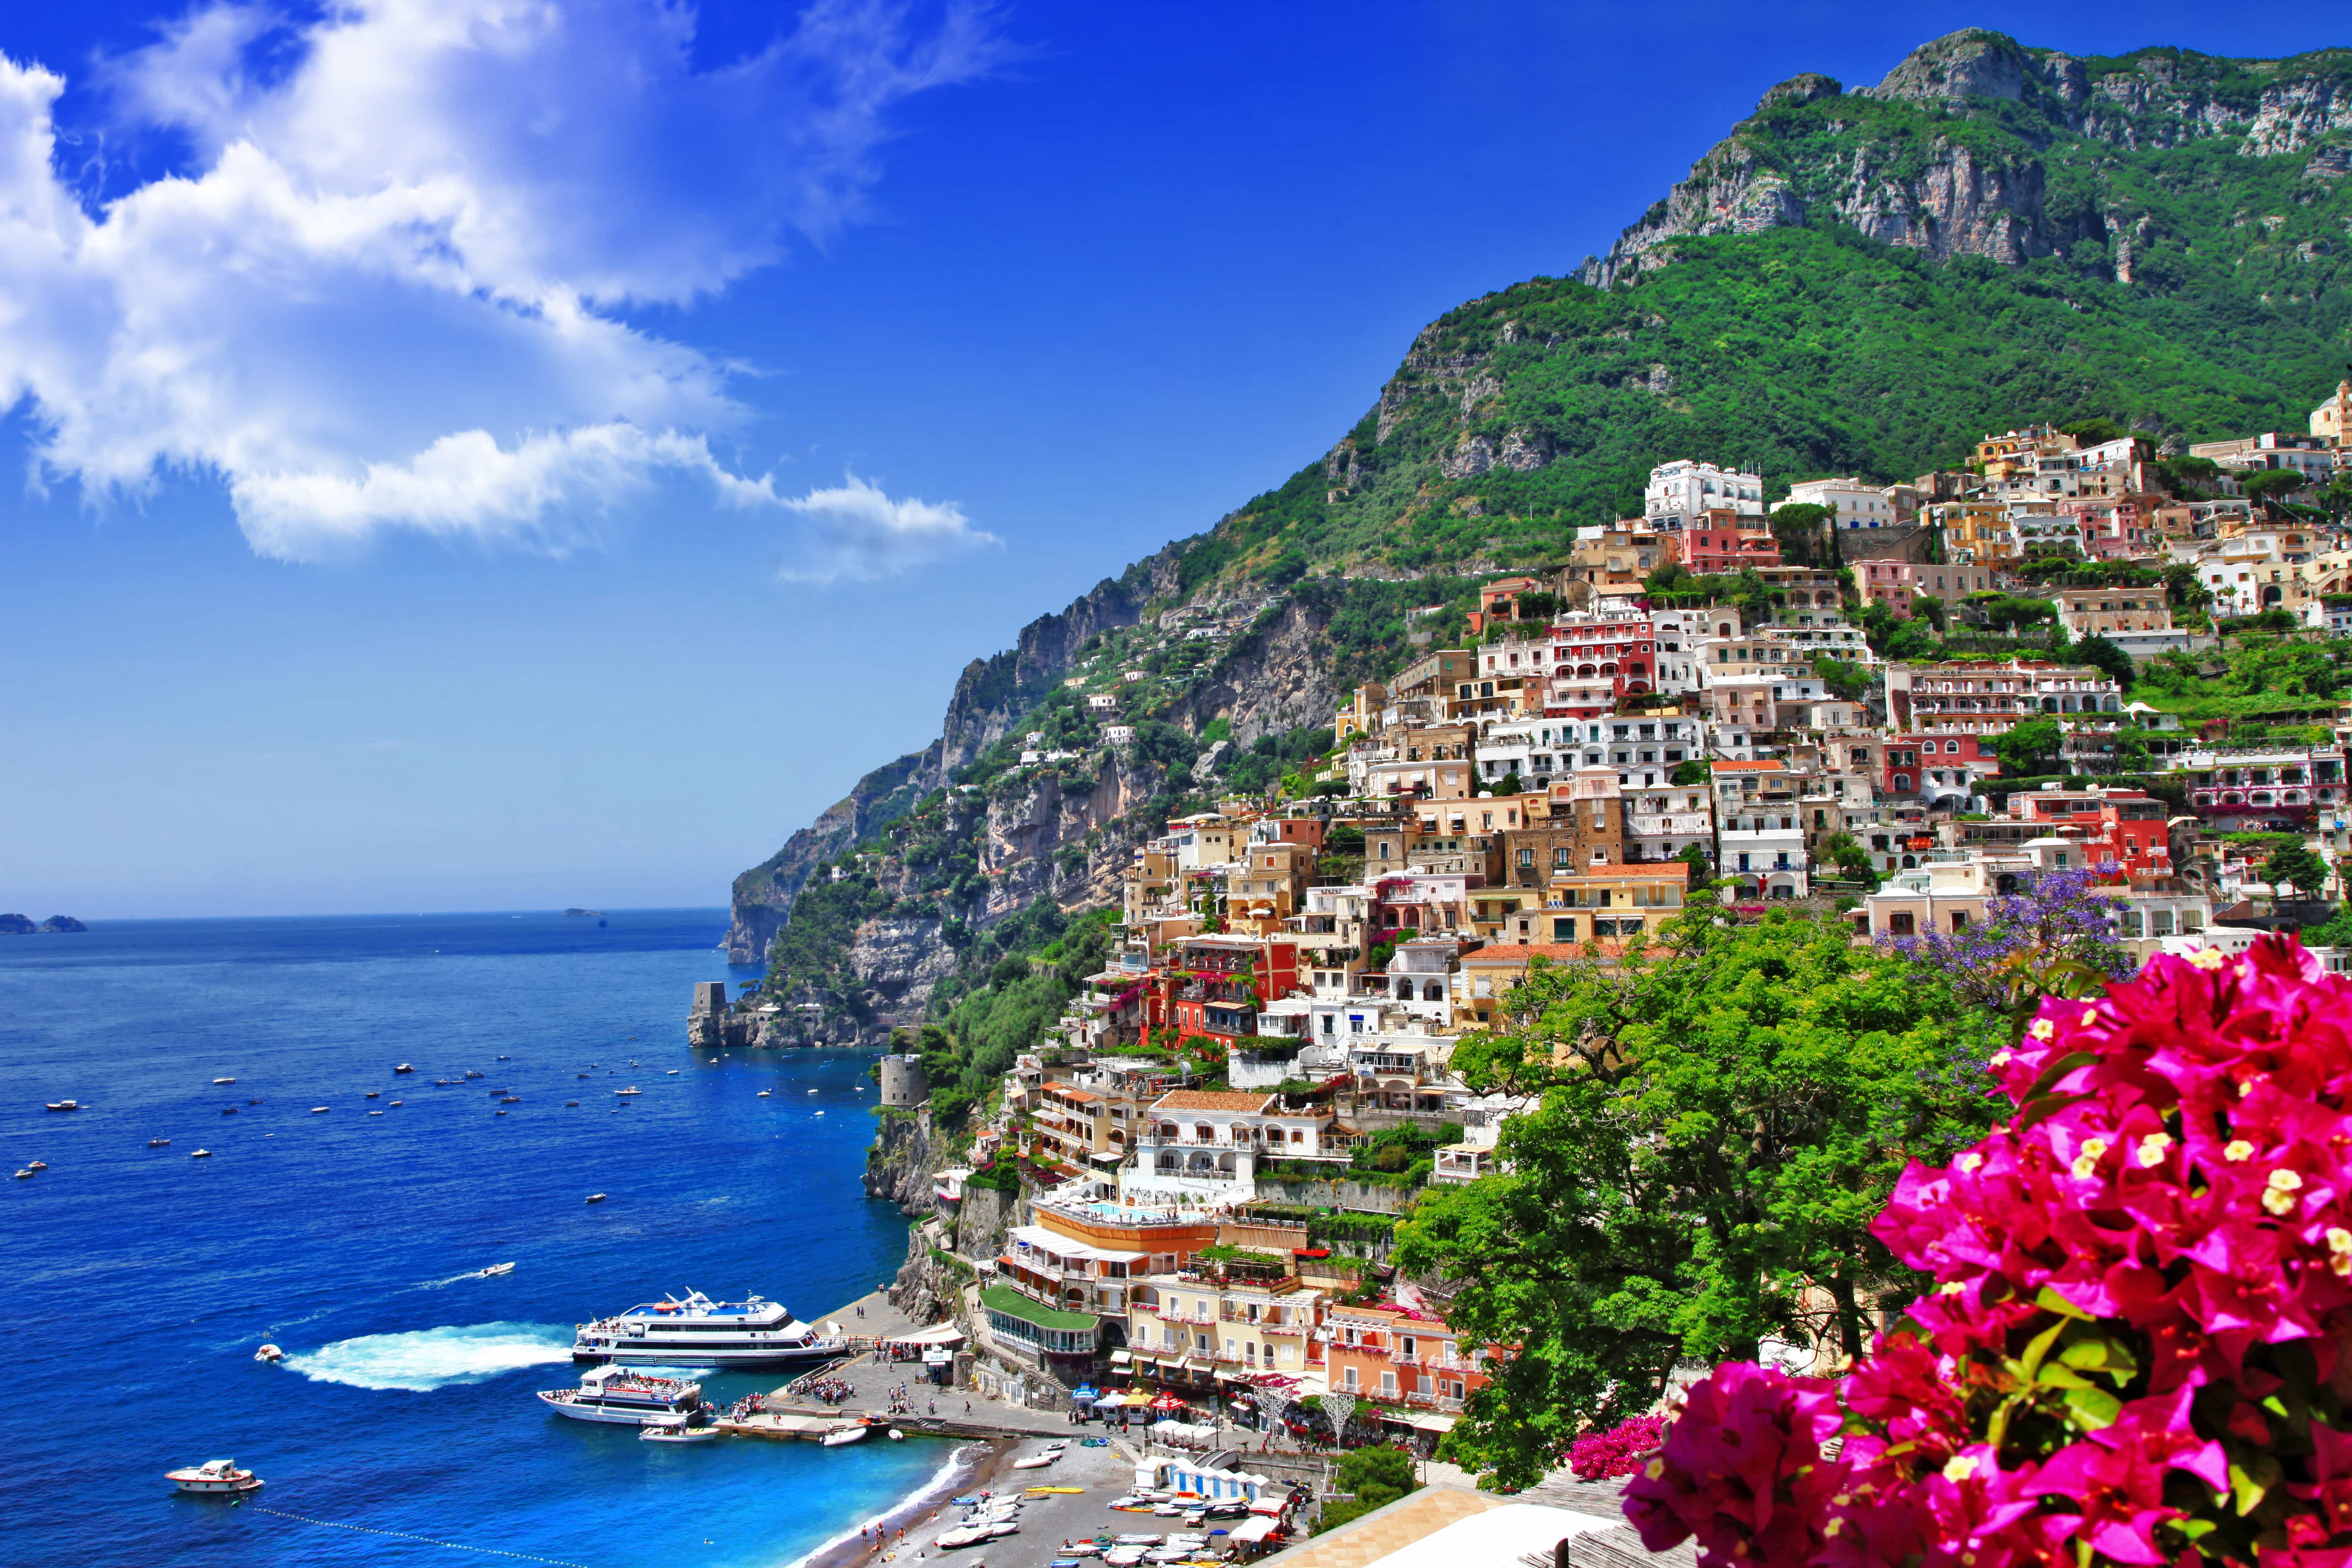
[1201,1099]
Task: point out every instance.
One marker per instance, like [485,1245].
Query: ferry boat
[617,1397]
[700,1332]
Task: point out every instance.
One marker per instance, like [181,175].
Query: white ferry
[613,1395]
[700,1332]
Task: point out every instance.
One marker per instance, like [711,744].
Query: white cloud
[383,297]
[860,533]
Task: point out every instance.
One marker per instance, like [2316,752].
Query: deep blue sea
[141,1280]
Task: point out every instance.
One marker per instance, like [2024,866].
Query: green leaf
[2092,1408]
[2049,1300]
[2040,1347]
[2250,1482]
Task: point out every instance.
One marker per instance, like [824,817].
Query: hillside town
[1896,705]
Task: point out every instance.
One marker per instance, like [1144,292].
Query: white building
[1681,494]
[1857,505]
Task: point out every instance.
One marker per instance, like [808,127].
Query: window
[1563,929]
[1899,924]
[1348,1379]
[1388,1383]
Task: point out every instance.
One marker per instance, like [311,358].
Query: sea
[353,1233]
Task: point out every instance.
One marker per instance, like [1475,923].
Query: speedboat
[64,1104]
[471,1073]
[593,1198]
[373,1094]
[700,1332]
[37,1164]
[627,1093]
[844,1436]
[677,1432]
[765,1092]
[215,1477]
[159,1143]
[202,1155]
[268,1353]
[24,1175]
[403,1068]
[218,1081]
[400,1102]
[318,1110]
[495,1269]
[673,1072]
[618,1396]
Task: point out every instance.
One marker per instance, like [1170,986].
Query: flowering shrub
[1599,1455]
[2134,1351]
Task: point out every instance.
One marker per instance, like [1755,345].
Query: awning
[1256,1528]
[937,1334]
[1434,1423]
[1270,1505]
[1120,1358]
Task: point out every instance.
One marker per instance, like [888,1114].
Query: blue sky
[434,436]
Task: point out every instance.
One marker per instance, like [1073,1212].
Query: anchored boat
[215,1477]
[617,1397]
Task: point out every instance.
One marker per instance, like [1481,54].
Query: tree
[2053,938]
[2295,866]
[2274,484]
[1845,678]
[2101,654]
[1721,1114]
[1846,851]
[1378,1476]
[2029,749]
[2094,432]
[1804,531]
[1934,610]
[1694,772]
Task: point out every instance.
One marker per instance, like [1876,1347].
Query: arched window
[1432,992]
[1204,1132]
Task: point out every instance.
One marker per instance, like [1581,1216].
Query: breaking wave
[426,1358]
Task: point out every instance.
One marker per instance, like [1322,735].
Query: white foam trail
[426,1358]
[942,1482]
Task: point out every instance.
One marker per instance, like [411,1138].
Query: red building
[1400,1356]
[1221,982]
[1718,545]
[1912,761]
[2125,831]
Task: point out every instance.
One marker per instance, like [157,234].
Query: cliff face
[762,897]
[1952,153]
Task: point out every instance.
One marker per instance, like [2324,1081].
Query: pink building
[1893,583]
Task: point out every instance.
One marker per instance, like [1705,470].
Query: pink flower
[1742,1471]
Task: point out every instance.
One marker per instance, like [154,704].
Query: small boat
[1036,1462]
[373,1094]
[506,1059]
[440,1083]
[159,1143]
[673,1072]
[844,1436]
[511,1099]
[218,1081]
[1004,1527]
[375,1113]
[962,1535]
[673,1432]
[399,1102]
[268,1353]
[497,1113]
[820,1113]
[627,1093]
[495,1269]
[471,1073]
[215,1477]
[583,1075]
[202,1155]
[812,1092]
[897,1436]
[24,1175]
[595,1198]
[765,1092]
[253,1099]
[228,1111]
[37,1164]
[571,1102]
[64,1104]
[318,1110]
[403,1068]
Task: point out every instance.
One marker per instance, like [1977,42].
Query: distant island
[22,925]
[597,914]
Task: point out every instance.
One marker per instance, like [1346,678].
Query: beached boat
[1035,1461]
[618,1396]
[962,1535]
[700,1332]
[215,1477]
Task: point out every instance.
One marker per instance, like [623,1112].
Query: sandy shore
[1046,1521]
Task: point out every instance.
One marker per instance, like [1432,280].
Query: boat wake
[426,1358]
[492,1272]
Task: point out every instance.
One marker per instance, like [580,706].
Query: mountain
[1858,283]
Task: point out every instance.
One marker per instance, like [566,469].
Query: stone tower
[902,1082]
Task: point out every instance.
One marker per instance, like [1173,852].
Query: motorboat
[37,1164]
[471,1073]
[228,1111]
[673,1072]
[403,1068]
[375,1113]
[399,1102]
[1035,1461]
[159,1143]
[677,1432]
[618,1396]
[700,1332]
[962,1535]
[627,1093]
[215,1477]
[64,1104]
[443,1082]
[318,1110]
[765,1092]
[506,1059]
[268,1353]
[218,1081]
[897,1436]
[24,1175]
[571,1102]
[595,1198]
[202,1155]
[373,1094]
[495,1269]
[844,1436]
[511,1099]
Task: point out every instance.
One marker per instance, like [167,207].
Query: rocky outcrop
[1959,199]
[1275,677]
[762,897]
[1053,838]
[900,1167]
[901,960]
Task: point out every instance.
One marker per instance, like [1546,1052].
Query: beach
[1047,1522]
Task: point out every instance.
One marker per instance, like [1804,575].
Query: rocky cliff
[1958,150]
